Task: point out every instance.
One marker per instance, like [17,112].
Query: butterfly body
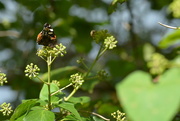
[47,36]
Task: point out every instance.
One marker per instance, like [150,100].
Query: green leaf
[113,5]
[83,99]
[143,100]
[21,118]
[23,108]
[70,107]
[70,118]
[44,92]
[40,115]
[170,40]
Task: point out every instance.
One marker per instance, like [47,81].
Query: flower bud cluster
[54,52]
[3,79]
[102,74]
[110,42]
[157,64]
[119,116]
[6,109]
[32,70]
[76,80]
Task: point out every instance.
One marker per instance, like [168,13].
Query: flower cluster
[102,74]
[3,79]
[59,50]
[56,82]
[157,64]
[174,7]
[6,109]
[76,80]
[54,52]
[119,116]
[32,70]
[110,42]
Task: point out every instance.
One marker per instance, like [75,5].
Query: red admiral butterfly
[47,36]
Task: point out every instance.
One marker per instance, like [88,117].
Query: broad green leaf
[170,39]
[23,108]
[70,107]
[83,99]
[20,118]
[70,118]
[44,92]
[143,100]
[40,115]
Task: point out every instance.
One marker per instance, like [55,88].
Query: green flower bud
[6,109]
[110,42]
[119,116]
[3,79]
[157,64]
[76,80]
[31,70]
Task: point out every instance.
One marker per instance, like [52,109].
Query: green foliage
[113,5]
[170,40]
[23,109]
[44,92]
[40,115]
[144,100]
[56,88]
[70,107]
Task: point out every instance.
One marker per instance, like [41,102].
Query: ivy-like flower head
[32,70]
[119,116]
[53,52]
[157,64]
[3,79]
[76,80]
[60,50]
[110,42]
[6,109]
[56,82]
[102,74]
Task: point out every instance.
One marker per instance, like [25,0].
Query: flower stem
[61,89]
[49,81]
[70,95]
[100,52]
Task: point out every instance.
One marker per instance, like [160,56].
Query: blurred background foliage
[134,23]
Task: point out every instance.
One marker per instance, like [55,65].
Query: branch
[171,27]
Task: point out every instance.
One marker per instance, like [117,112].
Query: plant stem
[61,89]
[96,59]
[41,80]
[49,81]
[70,95]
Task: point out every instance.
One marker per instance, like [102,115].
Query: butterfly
[47,36]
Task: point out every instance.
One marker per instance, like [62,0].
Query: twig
[171,27]
[98,115]
[61,89]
